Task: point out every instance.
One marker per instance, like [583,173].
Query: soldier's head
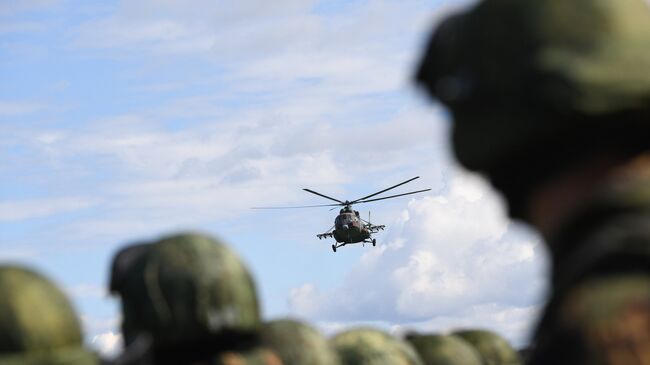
[298,343]
[444,350]
[365,346]
[539,87]
[37,322]
[494,349]
[185,290]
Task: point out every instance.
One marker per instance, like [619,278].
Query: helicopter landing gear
[374,242]
[334,248]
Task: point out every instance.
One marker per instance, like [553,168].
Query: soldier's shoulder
[605,319]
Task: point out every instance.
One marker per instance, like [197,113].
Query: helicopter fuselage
[349,228]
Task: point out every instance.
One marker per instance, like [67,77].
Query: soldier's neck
[557,201]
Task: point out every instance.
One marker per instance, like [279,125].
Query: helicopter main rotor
[347,203]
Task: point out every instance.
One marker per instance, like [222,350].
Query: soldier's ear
[122,263]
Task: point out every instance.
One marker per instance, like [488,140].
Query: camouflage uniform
[187,299]
[37,322]
[540,90]
[365,346]
[494,349]
[298,344]
[444,350]
[600,310]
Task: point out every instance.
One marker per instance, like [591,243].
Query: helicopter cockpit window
[344,219]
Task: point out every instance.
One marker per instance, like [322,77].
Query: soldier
[187,299]
[444,350]
[37,322]
[366,346]
[298,344]
[494,349]
[551,101]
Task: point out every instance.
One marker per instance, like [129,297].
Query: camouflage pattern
[365,346]
[298,344]
[600,308]
[38,325]
[444,350]
[185,287]
[523,76]
[494,349]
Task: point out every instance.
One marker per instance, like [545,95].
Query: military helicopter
[349,227]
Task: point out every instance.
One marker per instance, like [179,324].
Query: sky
[125,121]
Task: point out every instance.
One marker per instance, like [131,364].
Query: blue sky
[125,121]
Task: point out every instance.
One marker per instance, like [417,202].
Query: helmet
[37,322]
[366,346]
[255,356]
[494,349]
[539,85]
[444,350]
[184,288]
[298,343]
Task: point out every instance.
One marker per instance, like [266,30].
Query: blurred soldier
[37,322]
[187,299]
[298,344]
[494,349]
[365,346]
[444,350]
[551,100]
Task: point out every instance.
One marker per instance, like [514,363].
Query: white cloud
[161,180]
[451,260]
[109,344]
[104,334]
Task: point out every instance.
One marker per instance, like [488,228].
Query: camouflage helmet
[298,343]
[444,350]
[366,346]
[542,84]
[184,288]
[37,322]
[494,349]
[255,356]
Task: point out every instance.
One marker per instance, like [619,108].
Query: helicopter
[349,227]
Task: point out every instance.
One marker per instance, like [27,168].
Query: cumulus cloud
[451,260]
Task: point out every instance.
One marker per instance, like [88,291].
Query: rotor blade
[298,207]
[392,196]
[324,196]
[383,191]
